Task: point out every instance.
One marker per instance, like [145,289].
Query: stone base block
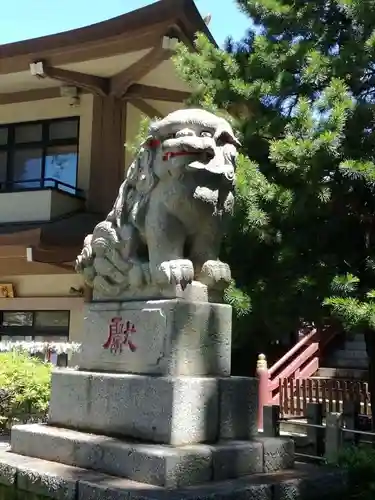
[238,407]
[278,453]
[159,465]
[178,410]
[158,337]
[169,410]
[24,476]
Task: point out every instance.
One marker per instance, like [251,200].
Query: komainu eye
[205,133]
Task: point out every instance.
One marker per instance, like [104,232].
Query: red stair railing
[301,361]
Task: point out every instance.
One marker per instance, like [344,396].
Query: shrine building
[68,104]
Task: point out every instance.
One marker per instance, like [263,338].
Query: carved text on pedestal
[119,335]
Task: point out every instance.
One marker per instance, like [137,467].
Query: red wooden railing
[295,394]
[300,362]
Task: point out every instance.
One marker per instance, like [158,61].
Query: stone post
[334,422]
[263,377]
[351,413]
[315,435]
[271,421]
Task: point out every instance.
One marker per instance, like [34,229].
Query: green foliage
[26,380]
[141,136]
[359,463]
[300,88]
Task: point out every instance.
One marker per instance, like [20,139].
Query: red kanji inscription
[119,335]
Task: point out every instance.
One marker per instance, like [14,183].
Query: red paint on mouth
[155,143]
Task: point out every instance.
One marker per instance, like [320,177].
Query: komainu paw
[215,274]
[177,272]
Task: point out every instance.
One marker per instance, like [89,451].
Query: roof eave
[152,18]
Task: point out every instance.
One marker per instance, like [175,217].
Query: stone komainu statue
[166,225]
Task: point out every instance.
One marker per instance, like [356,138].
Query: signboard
[6,291]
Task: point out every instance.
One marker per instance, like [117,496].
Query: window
[3,136]
[27,168]
[3,166]
[30,132]
[42,326]
[63,129]
[51,319]
[40,155]
[16,318]
[61,167]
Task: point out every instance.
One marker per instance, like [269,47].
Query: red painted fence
[295,394]
[300,362]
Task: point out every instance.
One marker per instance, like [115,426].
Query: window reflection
[63,129]
[31,132]
[27,168]
[61,166]
[17,318]
[56,319]
[33,152]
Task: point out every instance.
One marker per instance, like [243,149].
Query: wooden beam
[12,251]
[18,266]
[95,84]
[121,82]
[30,95]
[55,255]
[146,108]
[29,237]
[138,91]
[108,136]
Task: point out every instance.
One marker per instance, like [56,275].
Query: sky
[24,19]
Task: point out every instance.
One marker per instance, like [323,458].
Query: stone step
[168,410]
[52,480]
[160,465]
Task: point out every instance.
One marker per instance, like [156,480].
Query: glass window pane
[45,319]
[3,168]
[61,165]
[27,167]
[3,136]
[31,132]
[64,129]
[17,318]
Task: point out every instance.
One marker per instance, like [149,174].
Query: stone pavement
[62,482]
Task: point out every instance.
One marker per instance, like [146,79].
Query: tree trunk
[370,348]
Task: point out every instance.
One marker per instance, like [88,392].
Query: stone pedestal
[168,410]
[152,402]
[157,337]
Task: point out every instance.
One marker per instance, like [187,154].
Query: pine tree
[300,87]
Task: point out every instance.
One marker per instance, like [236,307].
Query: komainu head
[168,219]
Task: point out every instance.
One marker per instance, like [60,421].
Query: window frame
[32,331]
[44,144]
